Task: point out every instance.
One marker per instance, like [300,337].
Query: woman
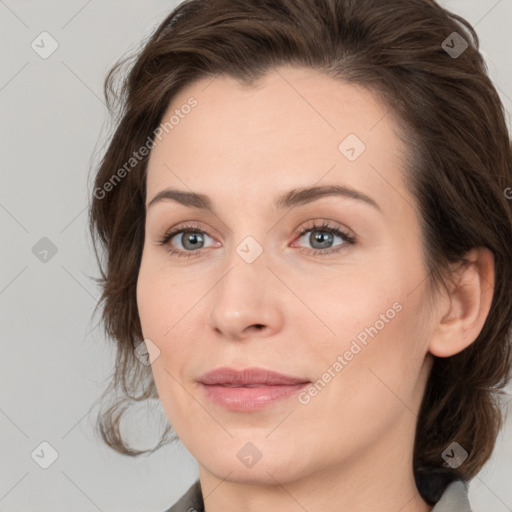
[307,235]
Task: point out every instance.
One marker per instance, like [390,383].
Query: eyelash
[324,226]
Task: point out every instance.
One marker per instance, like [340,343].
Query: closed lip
[225,376]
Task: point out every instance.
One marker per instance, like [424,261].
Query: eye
[191,239]
[187,241]
[322,237]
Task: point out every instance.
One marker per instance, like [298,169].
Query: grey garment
[454,499]
[191,501]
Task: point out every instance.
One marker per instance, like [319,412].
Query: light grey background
[54,362]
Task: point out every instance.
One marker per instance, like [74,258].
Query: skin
[350,447]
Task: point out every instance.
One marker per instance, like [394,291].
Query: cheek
[371,328]
[158,308]
[367,375]
[164,320]
[349,305]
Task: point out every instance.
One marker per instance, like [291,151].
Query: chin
[255,463]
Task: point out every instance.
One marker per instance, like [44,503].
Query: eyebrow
[290,199]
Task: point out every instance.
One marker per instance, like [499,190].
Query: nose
[246,302]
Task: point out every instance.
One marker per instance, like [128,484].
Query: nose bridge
[245,296]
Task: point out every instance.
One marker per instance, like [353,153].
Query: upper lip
[248,376]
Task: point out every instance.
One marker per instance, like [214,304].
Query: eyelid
[348,239]
[170,233]
[321,224]
[312,225]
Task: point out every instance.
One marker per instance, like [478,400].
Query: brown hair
[459,166]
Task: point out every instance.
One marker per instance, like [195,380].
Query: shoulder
[191,501]
[454,498]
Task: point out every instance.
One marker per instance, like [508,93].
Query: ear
[466,304]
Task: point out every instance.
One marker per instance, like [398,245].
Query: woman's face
[245,289]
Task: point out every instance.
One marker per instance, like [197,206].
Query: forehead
[294,127]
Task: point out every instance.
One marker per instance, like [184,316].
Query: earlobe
[469,299]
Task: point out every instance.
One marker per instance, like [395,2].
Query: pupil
[194,238]
[322,237]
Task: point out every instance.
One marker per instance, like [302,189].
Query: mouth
[249,390]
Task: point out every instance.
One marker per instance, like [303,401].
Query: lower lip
[248,399]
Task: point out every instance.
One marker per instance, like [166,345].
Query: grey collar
[454,499]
